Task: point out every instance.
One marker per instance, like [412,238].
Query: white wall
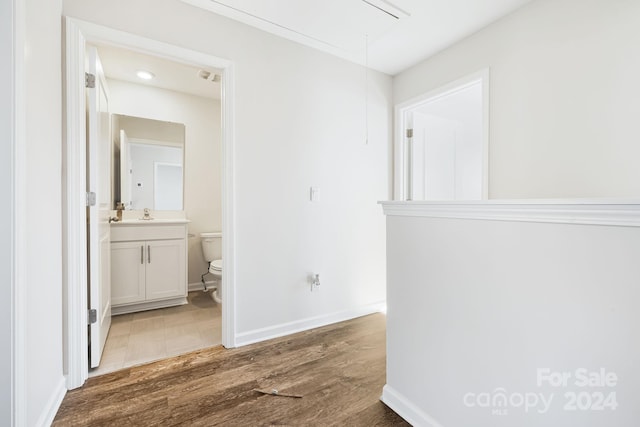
[565,97]
[42,283]
[7,82]
[202,157]
[474,306]
[299,122]
[37,204]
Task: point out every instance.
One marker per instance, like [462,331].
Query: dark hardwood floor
[338,369]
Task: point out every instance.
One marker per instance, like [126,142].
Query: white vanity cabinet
[148,265]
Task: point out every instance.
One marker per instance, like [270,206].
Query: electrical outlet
[314,279]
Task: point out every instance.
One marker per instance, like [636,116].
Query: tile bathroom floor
[147,336]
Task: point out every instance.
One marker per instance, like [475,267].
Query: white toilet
[208,241]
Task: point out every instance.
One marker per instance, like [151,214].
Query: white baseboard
[151,305]
[407,410]
[51,409]
[197,286]
[283,329]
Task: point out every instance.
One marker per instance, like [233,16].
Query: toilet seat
[216,266]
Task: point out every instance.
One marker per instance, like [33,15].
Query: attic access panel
[341,24]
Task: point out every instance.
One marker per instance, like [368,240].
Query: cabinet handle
[149,254]
[142,254]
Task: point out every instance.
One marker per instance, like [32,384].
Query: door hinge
[92,315]
[89,80]
[91,198]
[409,133]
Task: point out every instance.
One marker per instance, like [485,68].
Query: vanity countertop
[155,221]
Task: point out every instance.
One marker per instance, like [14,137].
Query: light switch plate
[314,194]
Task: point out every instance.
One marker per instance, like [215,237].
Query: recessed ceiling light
[145,75]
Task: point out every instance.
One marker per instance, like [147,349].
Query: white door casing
[76,32]
[99,182]
[13,248]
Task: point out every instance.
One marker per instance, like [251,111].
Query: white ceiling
[123,64]
[417,30]
[399,33]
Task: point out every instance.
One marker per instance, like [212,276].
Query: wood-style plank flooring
[338,369]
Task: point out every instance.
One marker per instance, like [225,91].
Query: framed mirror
[148,159]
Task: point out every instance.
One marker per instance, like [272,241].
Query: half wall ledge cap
[614,212]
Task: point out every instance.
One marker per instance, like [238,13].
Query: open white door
[98,183]
[442,142]
[433,158]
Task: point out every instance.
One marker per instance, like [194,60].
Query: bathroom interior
[165,243]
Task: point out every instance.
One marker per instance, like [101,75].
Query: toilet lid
[216,265]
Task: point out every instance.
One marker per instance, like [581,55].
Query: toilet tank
[208,241]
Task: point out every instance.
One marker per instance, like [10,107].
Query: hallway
[338,369]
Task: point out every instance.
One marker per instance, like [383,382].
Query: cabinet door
[127,272]
[166,269]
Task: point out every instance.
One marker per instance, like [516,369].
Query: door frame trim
[14,248]
[77,33]
[400,120]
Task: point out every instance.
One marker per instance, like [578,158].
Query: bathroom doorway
[201,308]
[166,156]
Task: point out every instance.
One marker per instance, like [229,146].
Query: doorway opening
[80,35]
[441,143]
